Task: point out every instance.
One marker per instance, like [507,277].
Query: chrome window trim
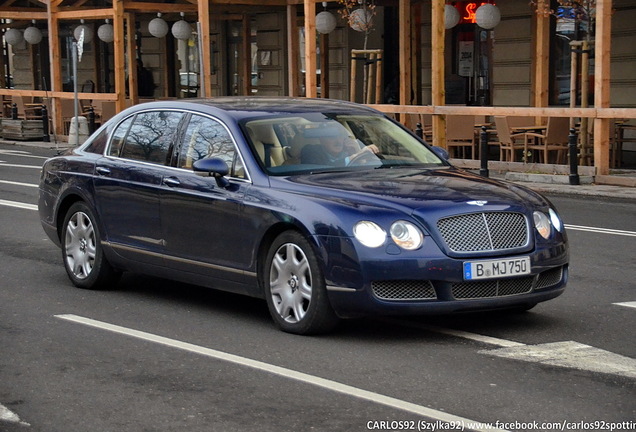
[248,177]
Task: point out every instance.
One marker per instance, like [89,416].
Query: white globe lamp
[361,20]
[325,22]
[106,32]
[32,34]
[158,27]
[451,16]
[13,37]
[88,33]
[181,29]
[487,16]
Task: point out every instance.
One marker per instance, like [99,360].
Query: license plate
[499,268]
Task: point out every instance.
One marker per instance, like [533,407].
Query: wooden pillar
[602,85]
[131,54]
[541,59]
[204,40]
[310,49]
[293,51]
[416,53]
[437,74]
[404,12]
[56,66]
[119,54]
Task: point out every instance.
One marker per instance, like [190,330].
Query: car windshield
[321,142]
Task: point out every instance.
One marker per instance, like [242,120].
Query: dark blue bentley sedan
[326,209]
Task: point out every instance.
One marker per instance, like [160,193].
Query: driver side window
[207,138]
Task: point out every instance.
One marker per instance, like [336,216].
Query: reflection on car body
[216,193]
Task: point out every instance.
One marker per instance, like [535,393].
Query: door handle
[102,171]
[171,181]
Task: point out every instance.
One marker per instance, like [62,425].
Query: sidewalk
[544,183]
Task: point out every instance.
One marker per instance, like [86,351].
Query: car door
[202,219]
[128,184]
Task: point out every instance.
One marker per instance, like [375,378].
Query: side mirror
[212,167]
[439,151]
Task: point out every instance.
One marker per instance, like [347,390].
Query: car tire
[295,287]
[82,251]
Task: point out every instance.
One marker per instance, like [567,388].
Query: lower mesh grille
[403,290]
[550,278]
[492,288]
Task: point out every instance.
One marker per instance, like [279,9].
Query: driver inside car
[336,148]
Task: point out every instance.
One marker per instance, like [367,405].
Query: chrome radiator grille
[404,290]
[478,232]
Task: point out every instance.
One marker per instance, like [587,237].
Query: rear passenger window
[207,138]
[151,136]
[119,136]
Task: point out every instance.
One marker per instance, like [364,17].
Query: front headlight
[406,235]
[542,224]
[556,220]
[369,234]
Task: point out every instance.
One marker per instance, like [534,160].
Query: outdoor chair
[509,143]
[555,139]
[460,135]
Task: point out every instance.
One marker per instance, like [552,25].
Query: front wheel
[295,287]
[82,252]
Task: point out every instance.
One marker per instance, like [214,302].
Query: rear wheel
[295,287]
[82,251]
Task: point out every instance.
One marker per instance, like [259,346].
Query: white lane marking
[21,153]
[601,230]
[456,333]
[627,304]
[18,205]
[18,183]
[565,354]
[277,370]
[9,416]
[3,163]
[570,354]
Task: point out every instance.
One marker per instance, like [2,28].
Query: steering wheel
[365,157]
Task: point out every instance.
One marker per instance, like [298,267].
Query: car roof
[241,107]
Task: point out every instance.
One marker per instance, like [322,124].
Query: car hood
[419,190]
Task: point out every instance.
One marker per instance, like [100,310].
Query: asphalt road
[153,355]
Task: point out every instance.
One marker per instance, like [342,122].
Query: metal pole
[574,160]
[76,104]
[201,66]
[45,124]
[483,152]
[419,131]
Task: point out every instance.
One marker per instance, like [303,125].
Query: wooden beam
[437,73]
[22,15]
[310,49]
[84,13]
[541,58]
[55,67]
[206,55]
[293,51]
[324,66]
[131,55]
[119,52]
[602,84]
[404,12]
[133,6]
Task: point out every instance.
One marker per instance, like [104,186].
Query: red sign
[467,10]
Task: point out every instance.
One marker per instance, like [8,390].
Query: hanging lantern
[32,34]
[88,33]
[158,27]
[13,37]
[487,16]
[325,22]
[106,32]
[451,16]
[181,29]
[361,20]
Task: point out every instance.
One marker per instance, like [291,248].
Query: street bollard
[14,111]
[45,124]
[91,120]
[574,158]
[419,131]
[483,152]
